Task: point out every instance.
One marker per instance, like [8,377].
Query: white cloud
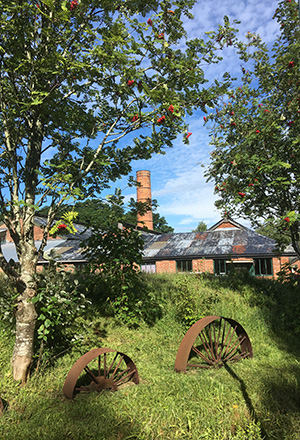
[178,183]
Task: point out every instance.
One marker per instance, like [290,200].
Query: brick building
[224,246]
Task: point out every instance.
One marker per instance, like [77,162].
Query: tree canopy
[96,212]
[202,226]
[86,86]
[256,155]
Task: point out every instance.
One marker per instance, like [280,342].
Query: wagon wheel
[100,369]
[211,342]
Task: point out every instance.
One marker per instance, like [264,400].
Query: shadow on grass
[91,416]
[279,304]
[248,401]
[282,399]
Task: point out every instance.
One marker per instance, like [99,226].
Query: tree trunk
[25,319]
[23,349]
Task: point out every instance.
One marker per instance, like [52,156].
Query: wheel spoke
[198,366]
[99,365]
[211,342]
[227,341]
[128,375]
[205,343]
[218,340]
[90,373]
[231,346]
[117,366]
[121,373]
[114,359]
[198,352]
[222,322]
[104,365]
[234,348]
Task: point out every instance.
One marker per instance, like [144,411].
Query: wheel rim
[100,369]
[211,342]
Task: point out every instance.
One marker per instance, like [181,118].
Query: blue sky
[178,183]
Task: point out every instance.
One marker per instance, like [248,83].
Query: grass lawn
[255,398]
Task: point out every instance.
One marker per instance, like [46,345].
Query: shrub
[114,276]
[58,303]
[192,300]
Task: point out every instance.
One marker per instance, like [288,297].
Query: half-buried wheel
[211,342]
[100,369]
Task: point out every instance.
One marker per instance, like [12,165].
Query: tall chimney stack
[143,194]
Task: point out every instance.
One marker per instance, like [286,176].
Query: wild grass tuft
[254,399]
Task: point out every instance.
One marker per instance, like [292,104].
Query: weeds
[256,399]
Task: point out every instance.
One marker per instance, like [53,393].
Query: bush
[191,299]
[58,303]
[114,277]
[136,303]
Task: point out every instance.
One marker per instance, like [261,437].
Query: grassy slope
[253,399]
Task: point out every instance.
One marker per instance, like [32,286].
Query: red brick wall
[277,264]
[226,225]
[203,265]
[207,265]
[166,266]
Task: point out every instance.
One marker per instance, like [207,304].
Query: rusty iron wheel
[100,369]
[211,342]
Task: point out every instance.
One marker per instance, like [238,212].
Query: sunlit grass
[250,400]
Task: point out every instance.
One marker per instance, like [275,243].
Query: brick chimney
[143,194]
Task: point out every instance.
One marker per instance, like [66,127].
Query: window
[184,265]
[220,267]
[148,267]
[263,266]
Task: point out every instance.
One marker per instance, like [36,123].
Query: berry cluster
[74,4]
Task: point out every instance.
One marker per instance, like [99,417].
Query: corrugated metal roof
[211,243]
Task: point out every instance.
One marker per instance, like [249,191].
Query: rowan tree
[255,162]
[86,86]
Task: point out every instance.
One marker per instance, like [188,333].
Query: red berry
[161,119]
[62,227]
